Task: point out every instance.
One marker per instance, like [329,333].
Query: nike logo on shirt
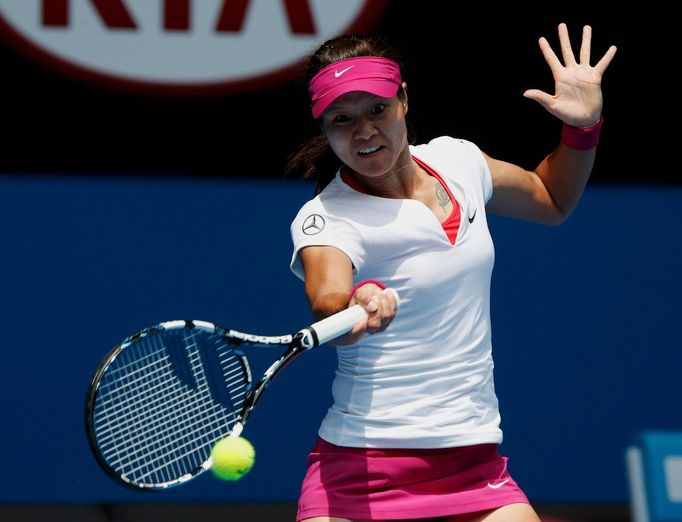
[498,485]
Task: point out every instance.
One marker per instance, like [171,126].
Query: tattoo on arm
[442,196]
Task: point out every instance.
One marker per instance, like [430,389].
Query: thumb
[539,96]
[371,305]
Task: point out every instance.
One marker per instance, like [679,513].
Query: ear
[402,96]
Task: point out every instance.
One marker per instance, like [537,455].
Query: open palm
[577,100]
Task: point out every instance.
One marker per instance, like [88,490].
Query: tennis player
[414,428]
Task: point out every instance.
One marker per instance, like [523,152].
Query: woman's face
[366,132]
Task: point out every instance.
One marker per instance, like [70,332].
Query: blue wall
[586,326]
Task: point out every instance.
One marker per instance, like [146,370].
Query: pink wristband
[581,138]
[365,282]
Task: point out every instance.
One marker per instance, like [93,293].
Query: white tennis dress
[427,381]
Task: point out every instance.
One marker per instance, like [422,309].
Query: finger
[385,312]
[394,294]
[550,57]
[585,46]
[386,303]
[606,60]
[565,43]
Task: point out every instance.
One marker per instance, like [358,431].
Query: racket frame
[304,340]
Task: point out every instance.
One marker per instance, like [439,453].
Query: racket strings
[180,452]
[142,397]
[152,400]
[191,425]
[150,424]
[145,462]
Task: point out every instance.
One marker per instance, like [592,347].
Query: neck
[401,182]
[411,164]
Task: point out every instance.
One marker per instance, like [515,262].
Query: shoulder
[333,202]
[448,153]
[328,220]
[456,159]
[446,145]
[332,212]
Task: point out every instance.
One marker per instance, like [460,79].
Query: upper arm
[328,279]
[520,193]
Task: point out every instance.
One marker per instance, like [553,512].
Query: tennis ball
[233,458]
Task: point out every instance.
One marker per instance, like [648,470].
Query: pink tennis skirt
[400,484]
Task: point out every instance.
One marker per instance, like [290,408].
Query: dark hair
[315,157]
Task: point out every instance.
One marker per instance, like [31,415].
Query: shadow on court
[256,512]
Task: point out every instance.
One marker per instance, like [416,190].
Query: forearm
[325,304]
[565,173]
[328,280]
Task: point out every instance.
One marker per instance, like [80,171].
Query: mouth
[370,150]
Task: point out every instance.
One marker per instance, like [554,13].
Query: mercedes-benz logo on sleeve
[313,224]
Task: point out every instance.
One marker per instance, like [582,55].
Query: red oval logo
[180,46]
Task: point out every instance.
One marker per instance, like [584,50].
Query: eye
[341,118]
[378,108]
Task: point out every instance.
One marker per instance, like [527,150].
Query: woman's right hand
[381,305]
[328,284]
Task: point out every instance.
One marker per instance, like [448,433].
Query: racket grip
[338,324]
[342,322]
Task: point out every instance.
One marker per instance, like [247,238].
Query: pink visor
[378,76]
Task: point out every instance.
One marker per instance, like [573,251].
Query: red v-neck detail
[450,224]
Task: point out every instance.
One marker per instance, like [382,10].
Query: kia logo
[180,46]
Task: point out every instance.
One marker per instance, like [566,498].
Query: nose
[364,129]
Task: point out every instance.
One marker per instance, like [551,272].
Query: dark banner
[214,88]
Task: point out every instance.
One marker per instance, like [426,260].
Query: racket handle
[341,322]
[337,324]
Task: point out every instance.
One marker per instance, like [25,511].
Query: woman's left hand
[577,100]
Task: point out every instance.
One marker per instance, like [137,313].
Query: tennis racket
[162,398]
